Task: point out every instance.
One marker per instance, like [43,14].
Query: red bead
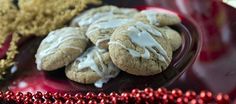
[151,98]
[29,100]
[90,95]
[104,101]
[9,93]
[101,95]
[196,101]
[222,99]
[206,96]
[69,101]
[200,101]
[58,102]
[125,97]
[157,95]
[19,94]
[67,96]
[92,102]
[37,101]
[113,94]
[114,100]
[190,95]
[48,95]
[18,101]
[134,91]
[138,100]
[38,95]
[176,93]
[47,101]
[161,91]
[57,95]
[78,96]
[29,95]
[13,97]
[148,90]
[1,95]
[182,100]
[19,98]
[168,98]
[80,101]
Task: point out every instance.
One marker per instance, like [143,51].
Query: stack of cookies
[104,40]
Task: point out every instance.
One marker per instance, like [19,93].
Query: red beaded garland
[190,94]
[206,96]
[148,95]
[101,95]
[222,99]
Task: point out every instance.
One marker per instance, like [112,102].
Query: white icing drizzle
[102,40]
[87,61]
[141,35]
[134,53]
[151,16]
[90,20]
[85,20]
[110,23]
[54,40]
[128,11]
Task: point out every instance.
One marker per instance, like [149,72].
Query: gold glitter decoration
[10,55]
[34,17]
[8,14]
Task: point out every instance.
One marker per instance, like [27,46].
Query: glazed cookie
[94,66]
[157,18]
[173,37]
[92,15]
[100,31]
[140,49]
[60,47]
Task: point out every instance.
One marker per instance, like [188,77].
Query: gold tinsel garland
[34,17]
[10,55]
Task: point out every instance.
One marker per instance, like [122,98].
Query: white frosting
[102,40]
[90,20]
[54,40]
[107,23]
[87,61]
[128,11]
[85,20]
[151,16]
[142,35]
[112,23]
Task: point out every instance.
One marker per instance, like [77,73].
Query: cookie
[93,66]
[173,37]
[90,16]
[100,31]
[157,18]
[60,47]
[140,49]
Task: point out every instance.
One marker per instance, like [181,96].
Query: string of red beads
[146,96]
